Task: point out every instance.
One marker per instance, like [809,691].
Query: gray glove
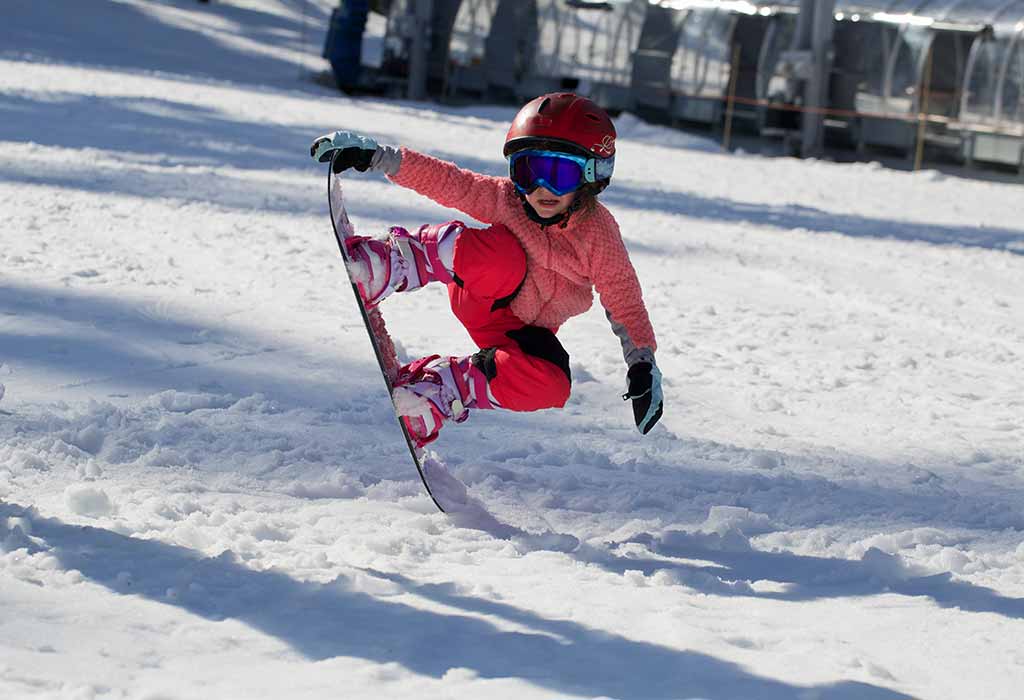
[356,151]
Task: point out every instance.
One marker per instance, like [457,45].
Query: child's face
[548,204]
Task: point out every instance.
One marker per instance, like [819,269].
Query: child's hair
[586,198]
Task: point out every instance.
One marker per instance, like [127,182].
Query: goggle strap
[603,168]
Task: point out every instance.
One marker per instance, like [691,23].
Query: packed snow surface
[204,494]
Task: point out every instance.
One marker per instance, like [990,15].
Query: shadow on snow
[160,136]
[136,344]
[323,621]
[135,37]
[90,340]
[796,216]
[805,577]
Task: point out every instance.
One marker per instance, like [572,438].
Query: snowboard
[383,346]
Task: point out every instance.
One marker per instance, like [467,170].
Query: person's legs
[526,367]
[519,367]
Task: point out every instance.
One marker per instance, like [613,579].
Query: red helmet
[563,118]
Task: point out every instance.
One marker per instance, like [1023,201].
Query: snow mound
[89,501]
[727,519]
[726,529]
[629,126]
[15,533]
[181,402]
[889,568]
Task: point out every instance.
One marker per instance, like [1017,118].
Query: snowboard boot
[403,261]
[433,390]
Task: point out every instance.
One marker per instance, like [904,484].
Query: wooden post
[922,114]
[731,102]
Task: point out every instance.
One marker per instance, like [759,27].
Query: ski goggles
[558,173]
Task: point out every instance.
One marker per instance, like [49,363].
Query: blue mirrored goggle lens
[558,174]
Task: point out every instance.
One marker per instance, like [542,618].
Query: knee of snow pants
[532,372]
[489,263]
[529,373]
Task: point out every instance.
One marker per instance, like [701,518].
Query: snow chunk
[89,471]
[726,519]
[20,460]
[269,533]
[376,586]
[459,675]
[89,501]
[954,560]
[894,542]
[726,529]
[339,487]
[635,577]
[680,543]
[888,567]
[256,404]
[181,402]
[16,533]
[89,439]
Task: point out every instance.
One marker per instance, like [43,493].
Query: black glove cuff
[639,381]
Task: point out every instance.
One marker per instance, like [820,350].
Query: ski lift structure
[491,47]
[950,72]
[588,47]
[518,49]
[684,65]
[945,73]
[406,29]
[992,101]
[898,62]
[524,48]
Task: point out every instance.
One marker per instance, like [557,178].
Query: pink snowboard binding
[403,261]
[433,389]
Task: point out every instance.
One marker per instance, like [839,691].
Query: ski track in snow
[203,492]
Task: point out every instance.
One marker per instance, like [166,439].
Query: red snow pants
[526,367]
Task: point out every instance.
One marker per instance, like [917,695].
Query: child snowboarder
[513,284]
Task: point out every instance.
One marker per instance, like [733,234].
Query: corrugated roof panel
[978,11]
[864,7]
[1004,15]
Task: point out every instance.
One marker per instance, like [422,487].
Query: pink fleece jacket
[564,265]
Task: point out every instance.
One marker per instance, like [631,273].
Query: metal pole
[419,55]
[922,114]
[816,87]
[733,74]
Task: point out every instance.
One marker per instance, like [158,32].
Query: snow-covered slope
[203,493]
